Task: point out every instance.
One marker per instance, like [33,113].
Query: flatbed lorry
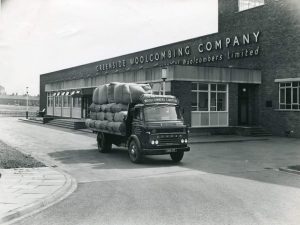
[154,126]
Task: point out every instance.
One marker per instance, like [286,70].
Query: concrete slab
[23,191]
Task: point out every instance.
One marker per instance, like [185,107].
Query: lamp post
[164,78]
[26,102]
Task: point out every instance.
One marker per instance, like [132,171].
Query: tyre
[104,142]
[177,156]
[134,151]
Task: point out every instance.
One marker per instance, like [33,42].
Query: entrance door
[86,102]
[243,105]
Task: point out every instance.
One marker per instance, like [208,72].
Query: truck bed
[108,132]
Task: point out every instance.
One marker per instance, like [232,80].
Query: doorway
[243,105]
[86,102]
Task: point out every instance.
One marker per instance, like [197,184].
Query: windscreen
[162,113]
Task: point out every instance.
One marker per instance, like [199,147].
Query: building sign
[196,52]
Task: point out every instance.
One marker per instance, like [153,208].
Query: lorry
[153,126]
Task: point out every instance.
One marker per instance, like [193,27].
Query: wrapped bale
[95,95]
[109,116]
[98,124]
[106,107]
[110,126]
[87,123]
[103,124]
[115,108]
[120,116]
[137,90]
[92,107]
[93,115]
[97,108]
[100,95]
[118,127]
[100,115]
[90,123]
[111,92]
[130,92]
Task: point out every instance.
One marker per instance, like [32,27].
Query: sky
[41,36]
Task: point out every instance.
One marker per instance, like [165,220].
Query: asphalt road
[218,183]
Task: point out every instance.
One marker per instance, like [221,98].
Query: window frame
[209,91]
[206,118]
[283,87]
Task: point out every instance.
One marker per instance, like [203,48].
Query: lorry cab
[157,127]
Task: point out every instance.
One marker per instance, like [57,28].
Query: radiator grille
[172,130]
[169,140]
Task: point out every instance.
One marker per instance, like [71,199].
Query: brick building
[247,74]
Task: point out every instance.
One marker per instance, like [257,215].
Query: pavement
[26,191]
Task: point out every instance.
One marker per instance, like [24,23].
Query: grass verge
[12,158]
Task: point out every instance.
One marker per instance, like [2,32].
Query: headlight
[185,140]
[152,142]
[156,142]
[182,141]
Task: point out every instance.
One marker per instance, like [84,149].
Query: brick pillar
[182,90]
[233,104]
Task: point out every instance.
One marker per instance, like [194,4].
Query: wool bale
[87,123]
[118,107]
[92,123]
[106,107]
[93,115]
[95,95]
[100,115]
[120,116]
[110,126]
[111,92]
[130,92]
[98,124]
[136,90]
[109,116]
[97,108]
[116,126]
[100,94]
[92,107]
[122,93]
[103,124]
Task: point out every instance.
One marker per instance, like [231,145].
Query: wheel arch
[135,138]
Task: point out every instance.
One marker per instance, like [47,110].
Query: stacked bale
[110,105]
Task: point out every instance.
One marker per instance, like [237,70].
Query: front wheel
[134,151]
[177,156]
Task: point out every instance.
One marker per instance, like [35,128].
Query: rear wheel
[177,156]
[134,151]
[104,142]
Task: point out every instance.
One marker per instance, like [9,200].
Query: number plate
[171,150]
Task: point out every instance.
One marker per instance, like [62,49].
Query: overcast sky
[41,36]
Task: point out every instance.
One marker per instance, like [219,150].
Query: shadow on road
[255,161]
[117,158]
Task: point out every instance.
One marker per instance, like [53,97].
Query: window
[289,95]
[58,101]
[77,102]
[49,100]
[248,4]
[209,104]
[66,101]
[209,97]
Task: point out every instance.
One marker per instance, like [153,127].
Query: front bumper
[163,151]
